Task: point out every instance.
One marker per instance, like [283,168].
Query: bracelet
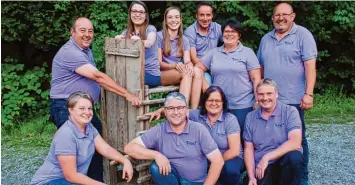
[311,95]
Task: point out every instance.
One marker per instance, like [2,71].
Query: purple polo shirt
[172,59]
[225,125]
[65,81]
[283,61]
[151,63]
[204,43]
[68,140]
[267,135]
[186,151]
[230,71]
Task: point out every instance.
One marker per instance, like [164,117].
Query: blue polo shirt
[230,71]
[68,140]
[172,58]
[283,61]
[224,126]
[65,81]
[186,151]
[151,63]
[267,135]
[204,43]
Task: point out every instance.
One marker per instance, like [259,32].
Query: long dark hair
[207,93]
[130,26]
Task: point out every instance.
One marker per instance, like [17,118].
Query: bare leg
[174,77]
[185,87]
[196,87]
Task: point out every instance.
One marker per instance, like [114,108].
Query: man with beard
[179,148]
[272,140]
[74,70]
[288,56]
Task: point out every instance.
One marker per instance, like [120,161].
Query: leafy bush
[23,92]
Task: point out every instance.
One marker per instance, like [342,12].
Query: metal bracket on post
[122,52]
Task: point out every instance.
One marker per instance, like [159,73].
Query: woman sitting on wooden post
[73,146]
[174,53]
[224,128]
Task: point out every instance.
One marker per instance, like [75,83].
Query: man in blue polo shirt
[272,140]
[288,56]
[179,148]
[74,70]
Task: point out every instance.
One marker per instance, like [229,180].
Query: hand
[133,99]
[163,163]
[180,67]
[119,37]
[127,172]
[256,105]
[156,114]
[260,168]
[135,38]
[306,102]
[253,182]
[190,69]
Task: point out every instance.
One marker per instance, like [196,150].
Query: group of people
[242,121]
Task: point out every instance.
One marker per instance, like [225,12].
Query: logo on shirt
[237,59]
[221,134]
[191,142]
[289,42]
[279,124]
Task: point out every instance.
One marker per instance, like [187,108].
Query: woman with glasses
[73,146]
[138,28]
[224,129]
[235,69]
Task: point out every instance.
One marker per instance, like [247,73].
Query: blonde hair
[166,38]
[75,97]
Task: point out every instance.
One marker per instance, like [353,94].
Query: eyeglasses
[139,12]
[217,101]
[229,31]
[283,15]
[172,109]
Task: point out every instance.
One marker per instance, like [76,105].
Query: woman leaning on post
[224,129]
[73,146]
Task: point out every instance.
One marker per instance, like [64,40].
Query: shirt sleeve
[186,44]
[73,61]
[219,32]
[247,134]
[124,32]
[150,28]
[232,125]
[191,36]
[194,114]
[253,62]
[160,40]
[95,132]
[208,144]
[259,52]
[309,46]
[207,59]
[151,137]
[293,120]
[64,142]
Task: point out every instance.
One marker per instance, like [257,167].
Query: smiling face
[267,97]
[230,36]
[176,112]
[204,16]
[83,32]
[81,113]
[214,103]
[283,18]
[138,14]
[173,19]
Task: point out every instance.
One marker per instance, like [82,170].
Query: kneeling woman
[224,128]
[174,53]
[73,146]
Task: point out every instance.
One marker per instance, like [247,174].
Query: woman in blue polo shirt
[235,69]
[224,129]
[174,53]
[74,145]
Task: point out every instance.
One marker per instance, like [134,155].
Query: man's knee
[154,168]
[197,73]
[293,158]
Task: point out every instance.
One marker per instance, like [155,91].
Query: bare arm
[151,38]
[107,151]
[255,76]
[193,55]
[234,147]
[163,65]
[68,165]
[106,82]
[311,74]
[217,163]
[201,66]
[249,159]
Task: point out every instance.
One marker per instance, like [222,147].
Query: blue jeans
[241,114]
[304,143]
[151,80]
[173,178]
[59,182]
[284,171]
[230,174]
[59,114]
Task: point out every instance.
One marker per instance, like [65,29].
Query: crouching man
[179,148]
[272,140]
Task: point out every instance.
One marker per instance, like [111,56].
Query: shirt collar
[77,131]
[82,49]
[239,48]
[220,118]
[276,112]
[185,131]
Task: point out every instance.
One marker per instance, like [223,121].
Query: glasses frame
[172,109]
[283,15]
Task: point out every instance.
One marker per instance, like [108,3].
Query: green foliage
[23,93]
